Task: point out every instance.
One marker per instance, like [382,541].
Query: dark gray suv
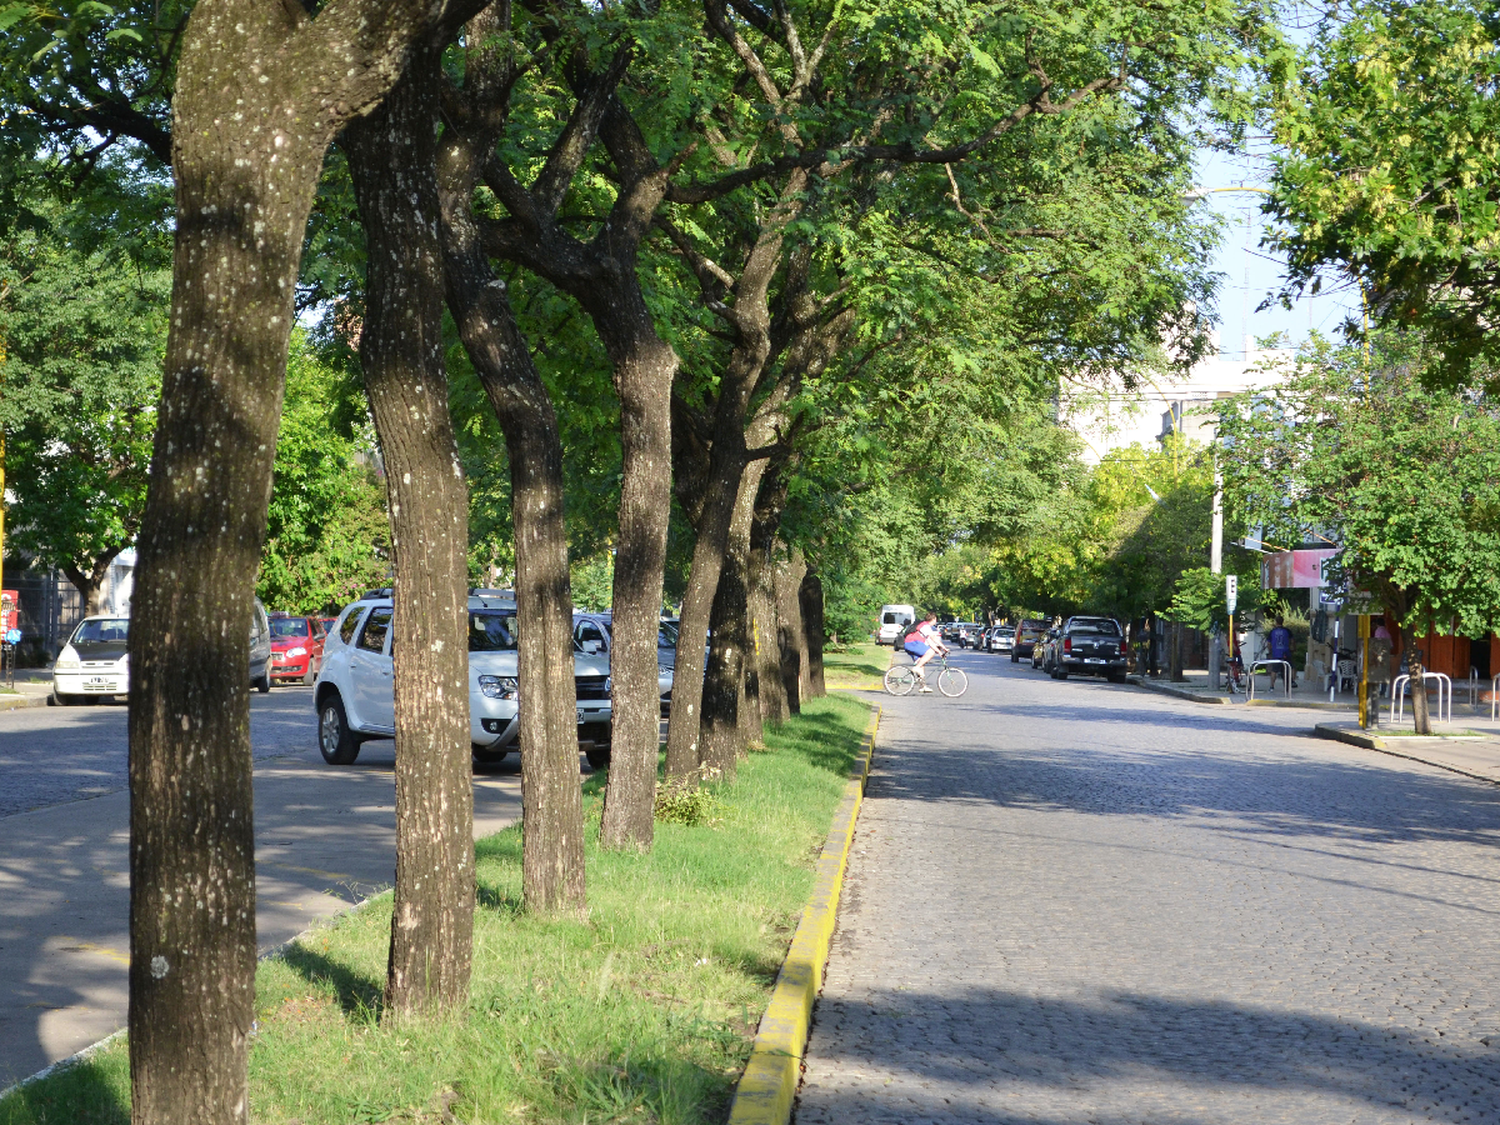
[1091,646]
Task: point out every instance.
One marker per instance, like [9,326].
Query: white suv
[355,697]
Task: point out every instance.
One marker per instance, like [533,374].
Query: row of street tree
[758,300]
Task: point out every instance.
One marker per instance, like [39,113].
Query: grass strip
[645,1011]
[858,667]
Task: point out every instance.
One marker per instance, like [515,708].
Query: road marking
[75,946]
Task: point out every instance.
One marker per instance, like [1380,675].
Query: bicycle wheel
[952,682]
[900,679]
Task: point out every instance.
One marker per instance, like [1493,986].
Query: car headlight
[298,651]
[498,687]
[67,663]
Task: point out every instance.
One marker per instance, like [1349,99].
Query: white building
[1115,417]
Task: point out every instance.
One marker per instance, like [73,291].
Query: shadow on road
[1009,1048]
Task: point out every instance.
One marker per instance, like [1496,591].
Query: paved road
[325,837]
[1072,902]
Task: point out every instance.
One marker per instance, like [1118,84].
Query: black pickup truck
[1091,646]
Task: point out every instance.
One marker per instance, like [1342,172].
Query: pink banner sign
[1295,569]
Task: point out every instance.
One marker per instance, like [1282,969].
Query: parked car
[1093,646]
[1044,651]
[894,623]
[260,648]
[1002,638]
[969,634]
[94,662]
[296,647]
[355,701]
[594,634]
[1028,632]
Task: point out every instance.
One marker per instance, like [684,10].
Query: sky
[1253,273]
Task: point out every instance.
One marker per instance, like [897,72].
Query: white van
[893,622]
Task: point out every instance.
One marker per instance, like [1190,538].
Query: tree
[327,513]
[1348,450]
[1390,166]
[84,324]
[257,95]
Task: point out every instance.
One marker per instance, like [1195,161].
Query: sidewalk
[1469,744]
[32,687]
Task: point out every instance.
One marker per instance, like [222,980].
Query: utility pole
[1216,565]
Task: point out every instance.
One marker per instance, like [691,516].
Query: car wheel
[309,676]
[66,700]
[1014,659]
[598,756]
[263,684]
[1059,674]
[339,744]
[484,756]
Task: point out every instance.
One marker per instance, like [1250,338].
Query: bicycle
[902,679]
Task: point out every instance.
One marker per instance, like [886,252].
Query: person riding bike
[922,644]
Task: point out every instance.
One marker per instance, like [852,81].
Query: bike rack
[1403,684]
[1494,696]
[1259,664]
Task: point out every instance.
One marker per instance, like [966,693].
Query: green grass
[859,667]
[644,1011]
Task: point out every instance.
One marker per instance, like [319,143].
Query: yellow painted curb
[769,1084]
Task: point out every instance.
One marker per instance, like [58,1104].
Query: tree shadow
[82,1092]
[1262,795]
[357,994]
[1008,1049]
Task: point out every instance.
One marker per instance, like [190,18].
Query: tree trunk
[811,597]
[792,635]
[724,680]
[643,375]
[552,809]
[1420,713]
[1174,652]
[391,155]
[259,93]
[764,623]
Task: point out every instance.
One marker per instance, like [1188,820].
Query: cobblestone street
[1073,902]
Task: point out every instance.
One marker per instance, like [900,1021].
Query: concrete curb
[15,702]
[275,951]
[768,1087]
[1381,746]
[1176,692]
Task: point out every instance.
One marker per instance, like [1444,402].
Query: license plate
[1093,660]
[97,681]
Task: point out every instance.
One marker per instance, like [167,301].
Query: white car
[355,698]
[94,662]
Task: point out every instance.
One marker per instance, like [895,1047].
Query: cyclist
[922,644]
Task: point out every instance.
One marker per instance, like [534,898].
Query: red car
[296,647]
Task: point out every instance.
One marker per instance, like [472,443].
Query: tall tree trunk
[792,634]
[643,373]
[391,156]
[731,721]
[1175,641]
[764,621]
[552,809]
[811,597]
[260,92]
[724,679]
[1420,712]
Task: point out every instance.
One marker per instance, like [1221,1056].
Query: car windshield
[102,631]
[666,636]
[1095,628]
[289,627]
[492,632]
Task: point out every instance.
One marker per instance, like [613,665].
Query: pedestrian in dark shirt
[1281,649]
